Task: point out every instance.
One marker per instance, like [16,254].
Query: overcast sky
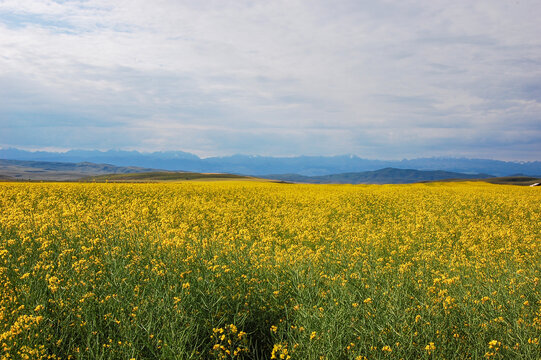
[379,79]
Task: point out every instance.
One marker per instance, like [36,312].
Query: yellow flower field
[261,271]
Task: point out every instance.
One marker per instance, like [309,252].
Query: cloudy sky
[379,79]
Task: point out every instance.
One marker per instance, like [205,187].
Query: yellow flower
[430,347]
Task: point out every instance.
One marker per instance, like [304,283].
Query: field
[262,271]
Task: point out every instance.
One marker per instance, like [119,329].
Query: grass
[162,176]
[514,180]
[504,180]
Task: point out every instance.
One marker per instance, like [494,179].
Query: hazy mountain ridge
[262,165]
[382,176]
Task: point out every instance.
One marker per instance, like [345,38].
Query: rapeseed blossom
[256,270]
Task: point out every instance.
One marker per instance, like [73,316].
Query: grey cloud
[477,40]
[288,77]
[531,90]
[421,101]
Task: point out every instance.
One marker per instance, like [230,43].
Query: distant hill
[11,170]
[163,176]
[382,176]
[260,165]
[45,170]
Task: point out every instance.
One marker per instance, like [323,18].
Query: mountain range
[13,170]
[264,165]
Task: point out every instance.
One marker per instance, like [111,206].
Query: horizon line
[54,150]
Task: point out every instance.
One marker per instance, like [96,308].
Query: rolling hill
[382,176]
[13,170]
[163,176]
[59,171]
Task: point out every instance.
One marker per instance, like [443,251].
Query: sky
[377,79]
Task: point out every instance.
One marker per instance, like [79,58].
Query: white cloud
[274,71]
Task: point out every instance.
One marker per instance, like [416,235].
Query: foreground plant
[258,270]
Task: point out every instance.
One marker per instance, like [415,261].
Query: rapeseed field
[248,270]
